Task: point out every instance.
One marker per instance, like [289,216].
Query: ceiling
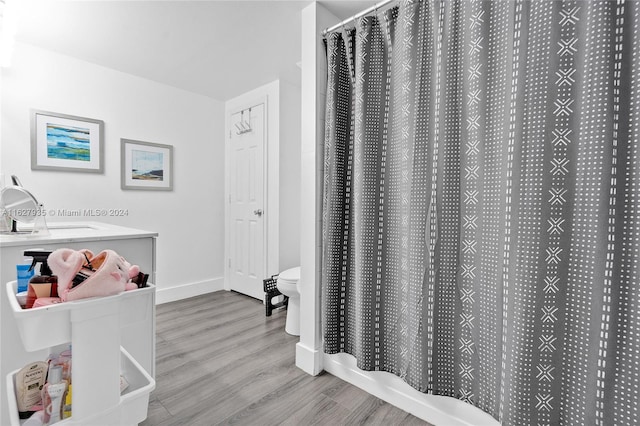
[219,49]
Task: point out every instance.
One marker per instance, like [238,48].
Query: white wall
[289,176]
[189,219]
[3,401]
[315,18]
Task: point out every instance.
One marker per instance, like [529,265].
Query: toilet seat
[290,276]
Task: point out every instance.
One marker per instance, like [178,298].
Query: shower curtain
[481,204]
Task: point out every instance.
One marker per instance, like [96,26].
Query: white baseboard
[184,291]
[308,360]
[435,409]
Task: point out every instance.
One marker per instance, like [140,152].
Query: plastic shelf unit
[130,410]
[92,326]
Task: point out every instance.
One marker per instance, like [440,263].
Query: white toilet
[287,283]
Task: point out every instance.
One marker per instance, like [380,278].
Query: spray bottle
[45,284]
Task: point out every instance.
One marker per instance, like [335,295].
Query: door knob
[258,212]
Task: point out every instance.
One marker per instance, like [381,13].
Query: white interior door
[246,202]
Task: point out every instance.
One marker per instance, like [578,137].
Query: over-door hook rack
[244,126]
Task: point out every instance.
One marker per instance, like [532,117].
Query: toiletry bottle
[45,284]
[53,396]
[29,383]
[40,256]
[66,410]
[24,273]
[64,360]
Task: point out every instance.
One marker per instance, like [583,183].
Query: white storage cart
[92,327]
[137,246]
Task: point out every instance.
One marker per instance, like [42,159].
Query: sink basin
[72,228]
[55,231]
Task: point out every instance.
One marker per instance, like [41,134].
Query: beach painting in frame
[66,143]
[146,165]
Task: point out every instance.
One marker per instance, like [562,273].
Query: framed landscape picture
[66,142]
[146,165]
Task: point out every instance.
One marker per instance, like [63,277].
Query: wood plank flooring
[220,360]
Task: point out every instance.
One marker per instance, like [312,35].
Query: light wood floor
[220,360]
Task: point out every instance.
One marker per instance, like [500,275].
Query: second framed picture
[146,165]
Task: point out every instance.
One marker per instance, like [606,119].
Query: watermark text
[100,212]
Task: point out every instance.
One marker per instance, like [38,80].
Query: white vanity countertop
[60,232]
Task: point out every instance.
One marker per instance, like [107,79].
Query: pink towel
[104,274]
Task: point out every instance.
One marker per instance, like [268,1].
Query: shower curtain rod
[377,6]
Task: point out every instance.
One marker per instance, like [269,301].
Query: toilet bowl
[287,283]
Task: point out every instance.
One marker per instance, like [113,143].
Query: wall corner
[314,19]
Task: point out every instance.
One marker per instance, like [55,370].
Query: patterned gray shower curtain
[481,214]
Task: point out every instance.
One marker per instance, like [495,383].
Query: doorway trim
[269,96]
